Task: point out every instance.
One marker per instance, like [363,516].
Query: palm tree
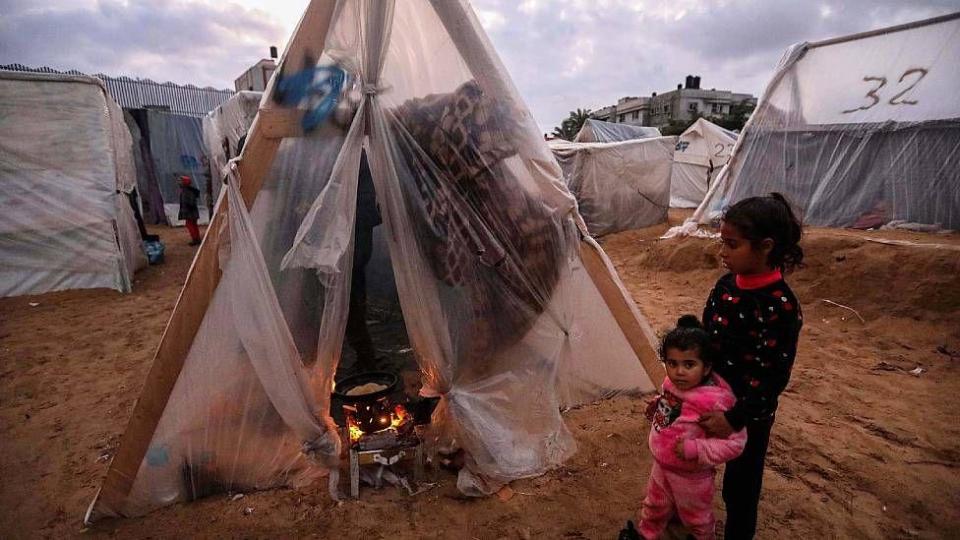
[569,128]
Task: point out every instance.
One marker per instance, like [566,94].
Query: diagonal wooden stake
[204,275]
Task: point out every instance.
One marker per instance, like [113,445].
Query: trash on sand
[248,510]
[505,493]
[917,371]
[885,366]
[237,497]
[34,304]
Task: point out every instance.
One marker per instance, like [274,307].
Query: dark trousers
[742,482]
[357,334]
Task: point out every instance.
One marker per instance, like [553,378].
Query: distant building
[257,77]
[678,105]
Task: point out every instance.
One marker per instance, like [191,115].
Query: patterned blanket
[481,229]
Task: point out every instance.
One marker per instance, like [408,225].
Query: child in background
[189,211]
[753,320]
[685,460]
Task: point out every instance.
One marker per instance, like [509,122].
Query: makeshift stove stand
[380,435]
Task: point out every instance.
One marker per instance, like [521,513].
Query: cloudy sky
[562,54]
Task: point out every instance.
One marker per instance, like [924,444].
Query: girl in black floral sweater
[754,321]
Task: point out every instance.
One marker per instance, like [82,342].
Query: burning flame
[397,418]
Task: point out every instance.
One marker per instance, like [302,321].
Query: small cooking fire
[375,424]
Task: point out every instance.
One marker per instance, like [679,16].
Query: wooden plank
[633,324]
[202,279]
[280,123]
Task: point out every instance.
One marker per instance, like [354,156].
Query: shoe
[629,532]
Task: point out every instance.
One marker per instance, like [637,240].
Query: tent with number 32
[861,131]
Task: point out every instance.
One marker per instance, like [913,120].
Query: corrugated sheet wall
[140,93]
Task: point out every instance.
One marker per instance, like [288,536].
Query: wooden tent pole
[305,45]
[487,70]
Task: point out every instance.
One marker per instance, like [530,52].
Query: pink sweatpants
[690,494]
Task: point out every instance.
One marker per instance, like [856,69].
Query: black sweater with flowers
[754,333]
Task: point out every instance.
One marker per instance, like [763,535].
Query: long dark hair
[689,334]
[771,216]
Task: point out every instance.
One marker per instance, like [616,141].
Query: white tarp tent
[605,132]
[859,131]
[621,185]
[505,300]
[702,151]
[177,149]
[66,172]
[222,129]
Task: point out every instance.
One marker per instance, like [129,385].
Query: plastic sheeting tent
[222,129]
[605,132]
[507,319]
[618,186]
[176,149]
[66,172]
[857,131]
[702,150]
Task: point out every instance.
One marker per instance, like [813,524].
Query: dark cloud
[184,43]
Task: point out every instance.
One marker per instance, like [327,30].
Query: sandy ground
[861,449]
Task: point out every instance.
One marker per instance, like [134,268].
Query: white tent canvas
[858,131]
[66,172]
[513,312]
[605,132]
[621,185]
[223,128]
[701,151]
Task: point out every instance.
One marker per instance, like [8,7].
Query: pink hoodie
[675,417]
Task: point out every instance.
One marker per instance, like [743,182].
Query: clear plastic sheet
[67,166]
[618,186]
[222,129]
[484,241]
[176,147]
[702,151]
[857,131]
[607,132]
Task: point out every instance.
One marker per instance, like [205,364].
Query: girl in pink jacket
[685,460]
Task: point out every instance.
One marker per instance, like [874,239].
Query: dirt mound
[847,268]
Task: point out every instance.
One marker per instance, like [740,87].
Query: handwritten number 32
[898,98]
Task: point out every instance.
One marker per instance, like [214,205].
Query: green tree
[676,127]
[571,125]
[737,117]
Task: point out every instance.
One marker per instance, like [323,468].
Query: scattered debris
[917,371]
[505,493]
[248,510]
[34,304]
[104,456]
[954,355]
[886,366]
[237,497]
[848,308]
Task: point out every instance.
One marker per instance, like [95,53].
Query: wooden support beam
[633,324]
[306,43]
[281,123]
